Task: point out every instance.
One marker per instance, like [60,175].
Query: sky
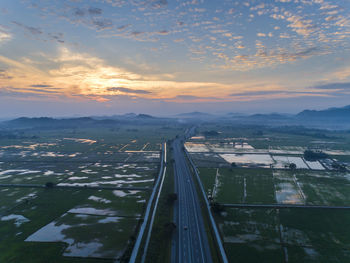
[163,57]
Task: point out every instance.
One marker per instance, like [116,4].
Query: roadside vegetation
[159,250]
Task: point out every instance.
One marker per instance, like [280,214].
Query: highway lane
[191,241]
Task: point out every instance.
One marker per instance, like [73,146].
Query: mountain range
[333,118]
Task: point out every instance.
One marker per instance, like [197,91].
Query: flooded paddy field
[78,173]
[84,222]
[285,235]
[250,235]
[288,138]
[316,235]
[208,160]
[312,187]
[87,235]
[325,188]
[116,175]
[226,185]
[75,224]
[267,186]
[233,175]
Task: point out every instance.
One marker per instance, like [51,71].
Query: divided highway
[190,244]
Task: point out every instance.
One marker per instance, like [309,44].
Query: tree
[49,185]
[169,228]
[314,155]
[233,165]
[292,166]
[217,208]
[172,197]
[210,133]
[339,167]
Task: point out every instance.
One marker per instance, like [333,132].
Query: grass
[325,188]
[248,225]
[316,235]
[49,205]
[207,176]
[252,235]
[254,252]
[258,187]
[328,233]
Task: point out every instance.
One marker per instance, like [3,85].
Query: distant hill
[333,118]
[195,114]
[53,123]
[130,115]
[45,122]
[329,114]
[144,116]
[272,116]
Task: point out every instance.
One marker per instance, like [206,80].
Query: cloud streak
[126,90]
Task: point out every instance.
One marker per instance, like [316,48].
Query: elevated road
[148,212]
[190,243]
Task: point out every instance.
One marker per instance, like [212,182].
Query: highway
[190,244]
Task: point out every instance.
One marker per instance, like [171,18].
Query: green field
[86,225]
[239,185]
[278,235]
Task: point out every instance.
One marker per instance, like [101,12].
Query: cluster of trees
[339,167]
[310,155]
[292,166]
[217,207]
[210,133]
[171,198]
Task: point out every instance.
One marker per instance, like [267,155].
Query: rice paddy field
[261,174]
[102,181]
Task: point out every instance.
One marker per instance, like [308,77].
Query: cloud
[40,86]
[300,26]
[30,29]
[4,74]
[4,35]
[120,28]
[56,37]
[163,32]
[40,34]
[102,24]
[277,94]
[339,74]
[187,97]
[79,12]
[95,11]
[201,98]
[12,92]
[127,90]
[333,86]
[81,75]
[256,93]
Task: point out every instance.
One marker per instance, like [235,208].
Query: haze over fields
[66,58]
